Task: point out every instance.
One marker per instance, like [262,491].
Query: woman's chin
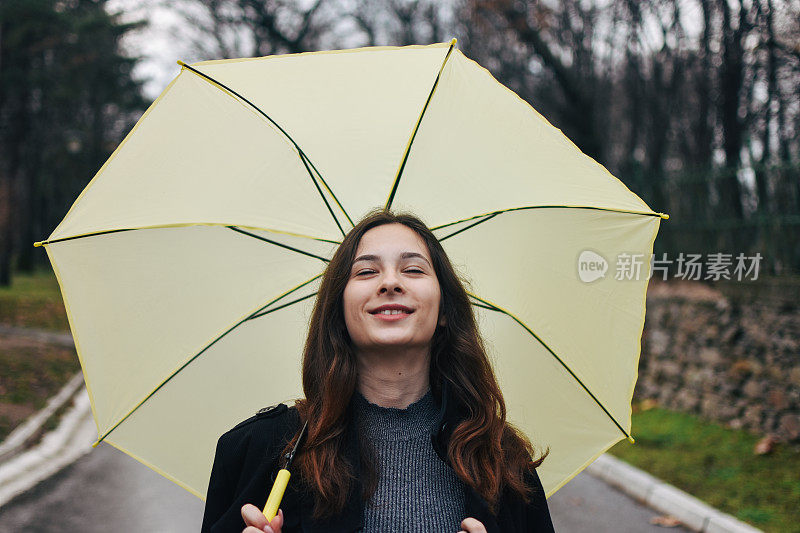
[392,345]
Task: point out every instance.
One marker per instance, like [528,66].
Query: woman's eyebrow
[408,255]
[404,255]
[367,257]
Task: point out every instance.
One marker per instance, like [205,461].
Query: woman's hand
[256,522]
[470,525]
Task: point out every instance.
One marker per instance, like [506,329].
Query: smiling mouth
[391,310]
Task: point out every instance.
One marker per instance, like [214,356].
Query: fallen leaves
[665,521]
[765,445]
[647,404]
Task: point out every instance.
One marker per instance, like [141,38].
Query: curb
[663,497]
[68,442]
[41,335]
[73,437]
[15,440]
[21,470]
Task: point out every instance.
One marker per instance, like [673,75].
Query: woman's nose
[390,282]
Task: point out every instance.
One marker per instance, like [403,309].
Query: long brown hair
[485,451]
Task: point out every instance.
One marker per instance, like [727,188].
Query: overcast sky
[161,44]
[168,38]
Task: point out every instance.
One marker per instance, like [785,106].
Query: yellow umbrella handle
[282,480]
[276,494]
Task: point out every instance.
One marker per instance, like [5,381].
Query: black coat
[247,459]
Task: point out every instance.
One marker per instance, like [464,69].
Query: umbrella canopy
[189,263]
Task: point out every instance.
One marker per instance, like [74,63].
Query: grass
[33,300]
[31,371]
[706,460]
[718,466]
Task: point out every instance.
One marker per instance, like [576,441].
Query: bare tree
[401,22]
[235,28]
[694,103]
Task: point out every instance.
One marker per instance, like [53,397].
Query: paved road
[106,491]
[588,504]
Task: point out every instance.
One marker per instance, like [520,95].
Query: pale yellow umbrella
[189,263]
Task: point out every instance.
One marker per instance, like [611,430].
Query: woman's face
[392,297]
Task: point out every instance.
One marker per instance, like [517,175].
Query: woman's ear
[442,320]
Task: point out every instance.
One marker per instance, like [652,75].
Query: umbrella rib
[209,345]
[165,226]
[306,162]
[488,217]
[287,304]
[94,234]
[492,307]
[489,307]
[276,243]
[303,157]
[525,208]
[416,127]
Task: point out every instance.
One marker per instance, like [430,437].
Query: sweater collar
[451,412]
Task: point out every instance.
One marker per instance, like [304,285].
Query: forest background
[693,104]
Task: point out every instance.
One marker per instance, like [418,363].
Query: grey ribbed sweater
[416,492]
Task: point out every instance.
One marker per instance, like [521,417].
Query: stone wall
[722,356]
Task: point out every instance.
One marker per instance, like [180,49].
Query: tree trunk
[731,82]
[6,234]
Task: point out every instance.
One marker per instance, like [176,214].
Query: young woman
[407,426]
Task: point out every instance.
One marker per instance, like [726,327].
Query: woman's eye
[415,270]
[365,271]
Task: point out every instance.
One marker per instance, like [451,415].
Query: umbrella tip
[664,216]
[181,63]
[453,42]
[38,244]
[631,439]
